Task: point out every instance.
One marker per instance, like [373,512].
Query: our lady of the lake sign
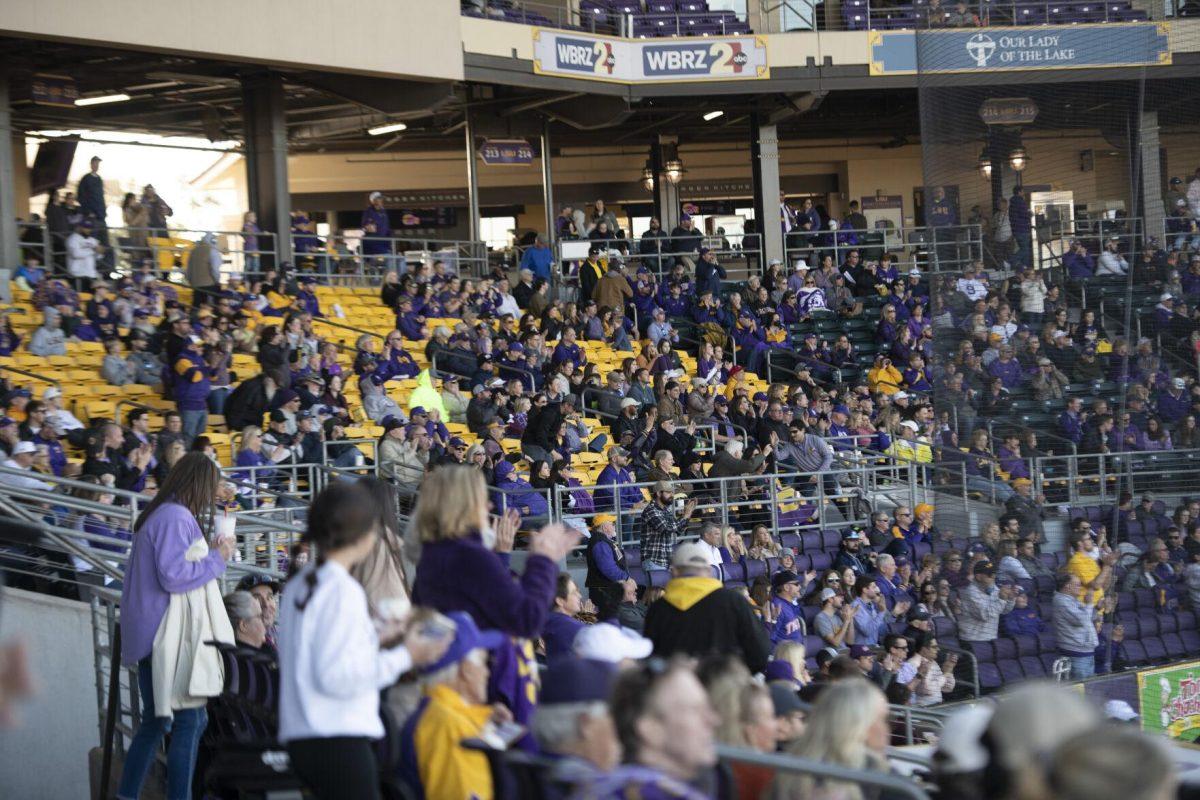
[1017,48]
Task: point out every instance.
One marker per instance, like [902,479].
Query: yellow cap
[922,508]
[600,519]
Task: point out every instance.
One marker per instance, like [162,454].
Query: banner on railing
[1112,44]
[606,58]
[1170,701]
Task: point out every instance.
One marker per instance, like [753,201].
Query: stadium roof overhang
[328,112]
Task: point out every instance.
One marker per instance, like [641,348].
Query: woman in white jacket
[332,661]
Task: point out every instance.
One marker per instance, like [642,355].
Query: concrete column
[266,158]
[548,183]
[1149,153]
[666,194]
[21,186]
[472,181]
[10,251]
[764,164]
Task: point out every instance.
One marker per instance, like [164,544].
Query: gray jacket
[1073,627]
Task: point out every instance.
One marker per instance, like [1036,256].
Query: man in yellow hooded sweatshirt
[697,616]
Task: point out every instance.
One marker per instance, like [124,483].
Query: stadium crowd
[500,406]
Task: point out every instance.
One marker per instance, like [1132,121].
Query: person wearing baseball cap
[982,605]
[851,555]
[697,615]
[784,608]
[377,228]
[572,723]
[607,577]
[23,454]
[662,526]
[454,707]
[834,623]
[616,645]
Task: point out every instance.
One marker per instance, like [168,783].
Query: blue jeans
[1082,667]
[216,400]
[185,729]
[194,423]
[987,488]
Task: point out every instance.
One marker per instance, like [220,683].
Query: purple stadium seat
[1135,651]
[790,541]
[1174,645]
[1155,651]
[660,7]
[1006,649]
[691,6]
[810,614]
[638,574]
[658,577]
[944,627]
[1046,642]
[984,652]
[633,555]
[1186,620]
[990,677]
[813,644]
[810,541]
[1010,671]
[1032,667]
[1048,660]
[733,571]
[831,539]
[1191,641]
[1044,584]
[1144,599]
[733,583]
[755,568]
[1147,623]
[803,563]
[772,566]
[1026,645]
[1167,623]
[821,561]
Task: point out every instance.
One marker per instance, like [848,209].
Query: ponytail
[310,582]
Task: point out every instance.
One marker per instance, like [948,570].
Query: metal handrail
[791,763]
[34,375]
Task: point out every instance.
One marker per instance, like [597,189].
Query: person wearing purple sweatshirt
[464,567]
[157,569]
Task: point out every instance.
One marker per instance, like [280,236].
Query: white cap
[1181,202]
[605,642]
[52,393]
[1120,710]
[826,594]
[24,447]
[1165,296]
[914,273]
[908,423]
[775,262]
[959,748]
[692,554]
[1180,383]
[900,395]
[497,383]
[373,196]
[801,264]
[629,402]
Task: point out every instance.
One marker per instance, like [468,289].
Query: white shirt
[66,420]
[973,288]
[330,666]
[81,255]
[1193,197]
[1111,263]
[21,481]
[714,553]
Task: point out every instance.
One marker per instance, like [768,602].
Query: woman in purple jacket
[157,569]
[464,567]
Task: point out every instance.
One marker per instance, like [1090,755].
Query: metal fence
[930,249]
[348,260]
[1101,478]
[739,254]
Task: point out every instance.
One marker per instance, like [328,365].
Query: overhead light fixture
[1018,159]
[393,127]
[985,165]
[674,170]
[648,179]
[102,99]
[710,116]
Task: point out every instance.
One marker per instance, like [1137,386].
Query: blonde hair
[726,686]
[836,733]
[451,505]
[793,653]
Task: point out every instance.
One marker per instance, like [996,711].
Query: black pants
[338,768]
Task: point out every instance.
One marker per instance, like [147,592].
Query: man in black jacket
[248,402]
[697,616]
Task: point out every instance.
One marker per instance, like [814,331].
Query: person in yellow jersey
[1092,564]
[453,708]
